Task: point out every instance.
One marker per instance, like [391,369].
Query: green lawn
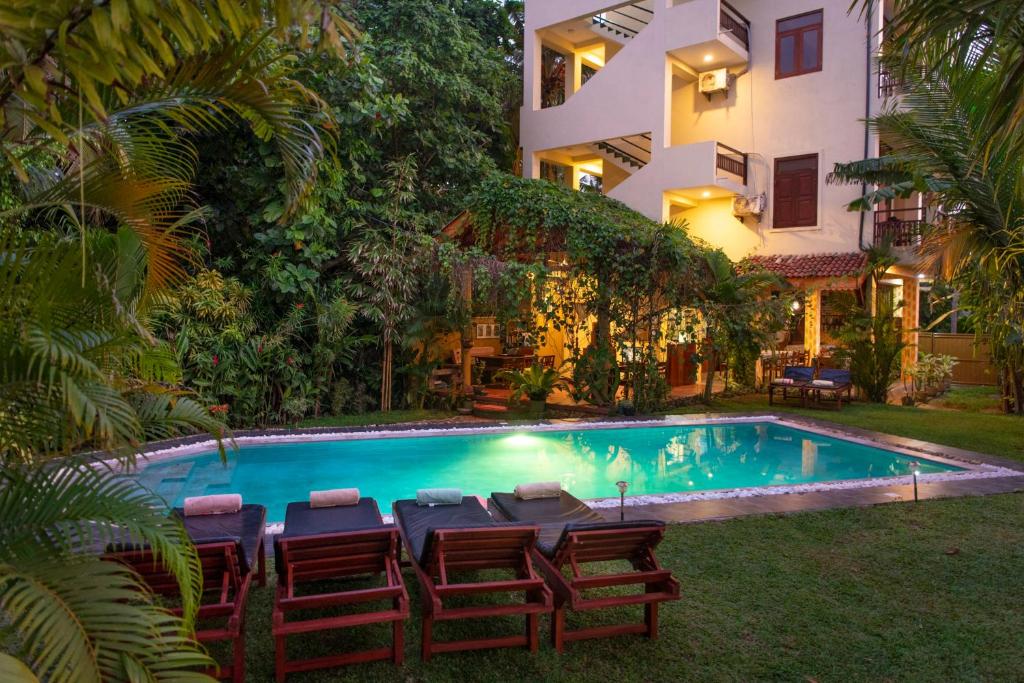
[908,592]
[375,418]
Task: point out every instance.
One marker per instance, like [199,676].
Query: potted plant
[466,405]
[627,408]
[535,383]
[477,376]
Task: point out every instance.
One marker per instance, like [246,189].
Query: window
[798,45]
[796,192]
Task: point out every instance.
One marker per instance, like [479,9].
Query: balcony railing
[732,161]
[889,84]
[735,23]
[899,227]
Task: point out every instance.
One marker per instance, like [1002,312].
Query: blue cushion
[834,375]
[798,373]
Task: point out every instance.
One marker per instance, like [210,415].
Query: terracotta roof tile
[812,265]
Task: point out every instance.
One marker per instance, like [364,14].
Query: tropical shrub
[958,138]
[535,383]
[104,153]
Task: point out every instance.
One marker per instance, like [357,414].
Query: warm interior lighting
[796,305]
[705,194]
[708,58]
[921,276]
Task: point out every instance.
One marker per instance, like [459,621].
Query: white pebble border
[983,472]
[971,469]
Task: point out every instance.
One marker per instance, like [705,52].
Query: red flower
[288,360]
[259,349]
[300,306]
[216,359]
[223,408]
[377,116]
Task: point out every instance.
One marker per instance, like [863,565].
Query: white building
[728,116]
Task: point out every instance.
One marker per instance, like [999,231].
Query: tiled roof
[813,265]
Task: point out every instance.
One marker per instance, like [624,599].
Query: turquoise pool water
[587,462]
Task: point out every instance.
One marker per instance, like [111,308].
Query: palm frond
[77,617]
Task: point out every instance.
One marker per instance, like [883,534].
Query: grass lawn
[375,418]
[924,592]
[909,592]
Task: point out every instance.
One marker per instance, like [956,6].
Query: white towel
[540,489]
[333,498]
[221,504]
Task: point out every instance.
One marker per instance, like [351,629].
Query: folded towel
[782,380]
[539,489]
[823,383]
[213,505]
[439,496]
[333,498]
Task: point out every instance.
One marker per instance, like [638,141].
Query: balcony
[899,228]
[731,21]
[707,34]
[732,162]
[889,85]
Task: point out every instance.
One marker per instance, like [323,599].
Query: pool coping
[974,465]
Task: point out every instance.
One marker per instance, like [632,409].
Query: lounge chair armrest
[629,578]
[340,598]
[489,587]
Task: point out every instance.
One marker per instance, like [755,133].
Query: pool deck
[719,505]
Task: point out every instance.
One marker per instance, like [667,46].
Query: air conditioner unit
[712,82]
[753,205]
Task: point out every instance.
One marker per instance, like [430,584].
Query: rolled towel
[784,381]
[539,489]
[439,497]
[221,504]
[333,498]
[823,383]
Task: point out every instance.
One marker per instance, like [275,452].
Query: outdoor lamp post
[623,485]
[917,473]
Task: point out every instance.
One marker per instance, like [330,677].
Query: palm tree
[958,139]
[112,92]
[982,40]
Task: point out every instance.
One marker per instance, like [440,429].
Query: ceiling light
[708,58]
[705,194]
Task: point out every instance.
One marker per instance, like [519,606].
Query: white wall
[813,113]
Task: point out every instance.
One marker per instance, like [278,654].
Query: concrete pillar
[812,323]
[911,320]
[532,65]
[572,74]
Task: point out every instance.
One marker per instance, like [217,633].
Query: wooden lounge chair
[792,384]
[573,535]
[248,526]
[444,539]
[830,387]
[328,544]
[225,590]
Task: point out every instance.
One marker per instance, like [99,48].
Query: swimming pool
[588,462]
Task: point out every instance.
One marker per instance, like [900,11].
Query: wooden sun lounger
[223,580]
[573,535]
[842,386]
[247,526]
[798,378]
[445,539]
[327,544]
